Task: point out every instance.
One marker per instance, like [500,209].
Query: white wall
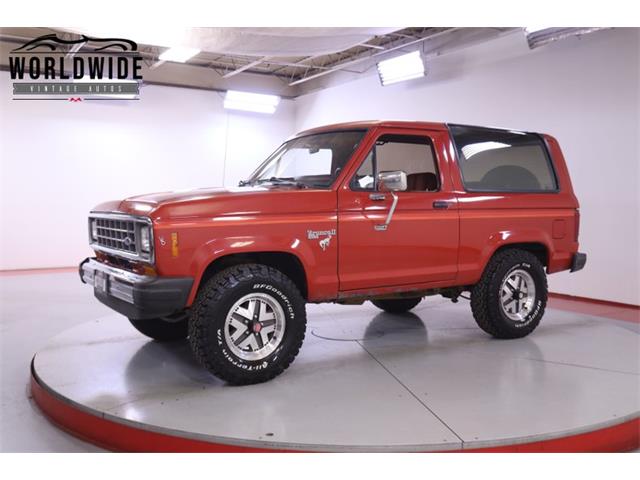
[59,159]
[583,91]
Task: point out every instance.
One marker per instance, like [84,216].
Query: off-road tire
[485,296]
[163,330]
[397,305]
[209,312]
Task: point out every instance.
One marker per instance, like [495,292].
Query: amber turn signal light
[174,244]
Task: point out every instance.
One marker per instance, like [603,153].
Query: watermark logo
[85,68]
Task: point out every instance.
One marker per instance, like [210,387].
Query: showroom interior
[77,377]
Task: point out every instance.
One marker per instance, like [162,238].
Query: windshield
[313,161]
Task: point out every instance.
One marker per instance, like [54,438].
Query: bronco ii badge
[316,234]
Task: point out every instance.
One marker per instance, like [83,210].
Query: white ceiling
[282,61]
[266,42]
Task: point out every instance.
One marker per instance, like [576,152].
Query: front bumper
[578,262]
[135,296]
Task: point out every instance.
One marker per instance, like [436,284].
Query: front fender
[320,265]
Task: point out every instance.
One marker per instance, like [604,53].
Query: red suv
[388,212]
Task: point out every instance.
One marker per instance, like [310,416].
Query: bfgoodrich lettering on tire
[510,298]
[247,324]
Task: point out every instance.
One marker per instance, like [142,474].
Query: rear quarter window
[503,160]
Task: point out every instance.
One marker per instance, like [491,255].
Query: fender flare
[504,238]
[218,248]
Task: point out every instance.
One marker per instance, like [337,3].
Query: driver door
[420,243]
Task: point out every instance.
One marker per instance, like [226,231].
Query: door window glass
[411,154]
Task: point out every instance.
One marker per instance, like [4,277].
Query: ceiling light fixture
[401,68]
[250,102]
[178,54]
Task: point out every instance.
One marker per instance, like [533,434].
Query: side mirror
[394,181]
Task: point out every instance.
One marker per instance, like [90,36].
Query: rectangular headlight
[93,225]
[145,238]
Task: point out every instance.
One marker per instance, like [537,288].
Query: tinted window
[413,155]
[502,160]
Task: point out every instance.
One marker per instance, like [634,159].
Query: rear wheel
[247,324]
[397,305]
[510,298]
[164,329]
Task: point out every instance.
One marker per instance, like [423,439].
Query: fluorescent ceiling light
[398,69]
[178,54]
[250,102]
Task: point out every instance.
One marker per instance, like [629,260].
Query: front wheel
[247,324]
[510,298]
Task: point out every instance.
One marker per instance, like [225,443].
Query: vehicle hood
[212,202]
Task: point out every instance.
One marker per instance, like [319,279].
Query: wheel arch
[539,249]
[286,262]
[533,240]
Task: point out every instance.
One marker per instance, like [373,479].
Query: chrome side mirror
[394,181]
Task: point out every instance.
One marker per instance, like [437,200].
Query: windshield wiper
[282,181]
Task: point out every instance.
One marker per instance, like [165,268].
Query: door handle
[377,197]
[441,204]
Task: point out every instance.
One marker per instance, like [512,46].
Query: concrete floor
[37,307]
[33,309]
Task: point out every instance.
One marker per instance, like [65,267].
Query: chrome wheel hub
[254,326]
[517,295]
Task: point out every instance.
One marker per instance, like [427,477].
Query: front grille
[120,235]
[117,234]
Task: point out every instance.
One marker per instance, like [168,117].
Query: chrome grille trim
[119,234]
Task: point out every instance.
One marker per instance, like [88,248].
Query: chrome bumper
[136,296]
[110,280]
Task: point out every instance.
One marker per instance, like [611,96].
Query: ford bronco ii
[388,212]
